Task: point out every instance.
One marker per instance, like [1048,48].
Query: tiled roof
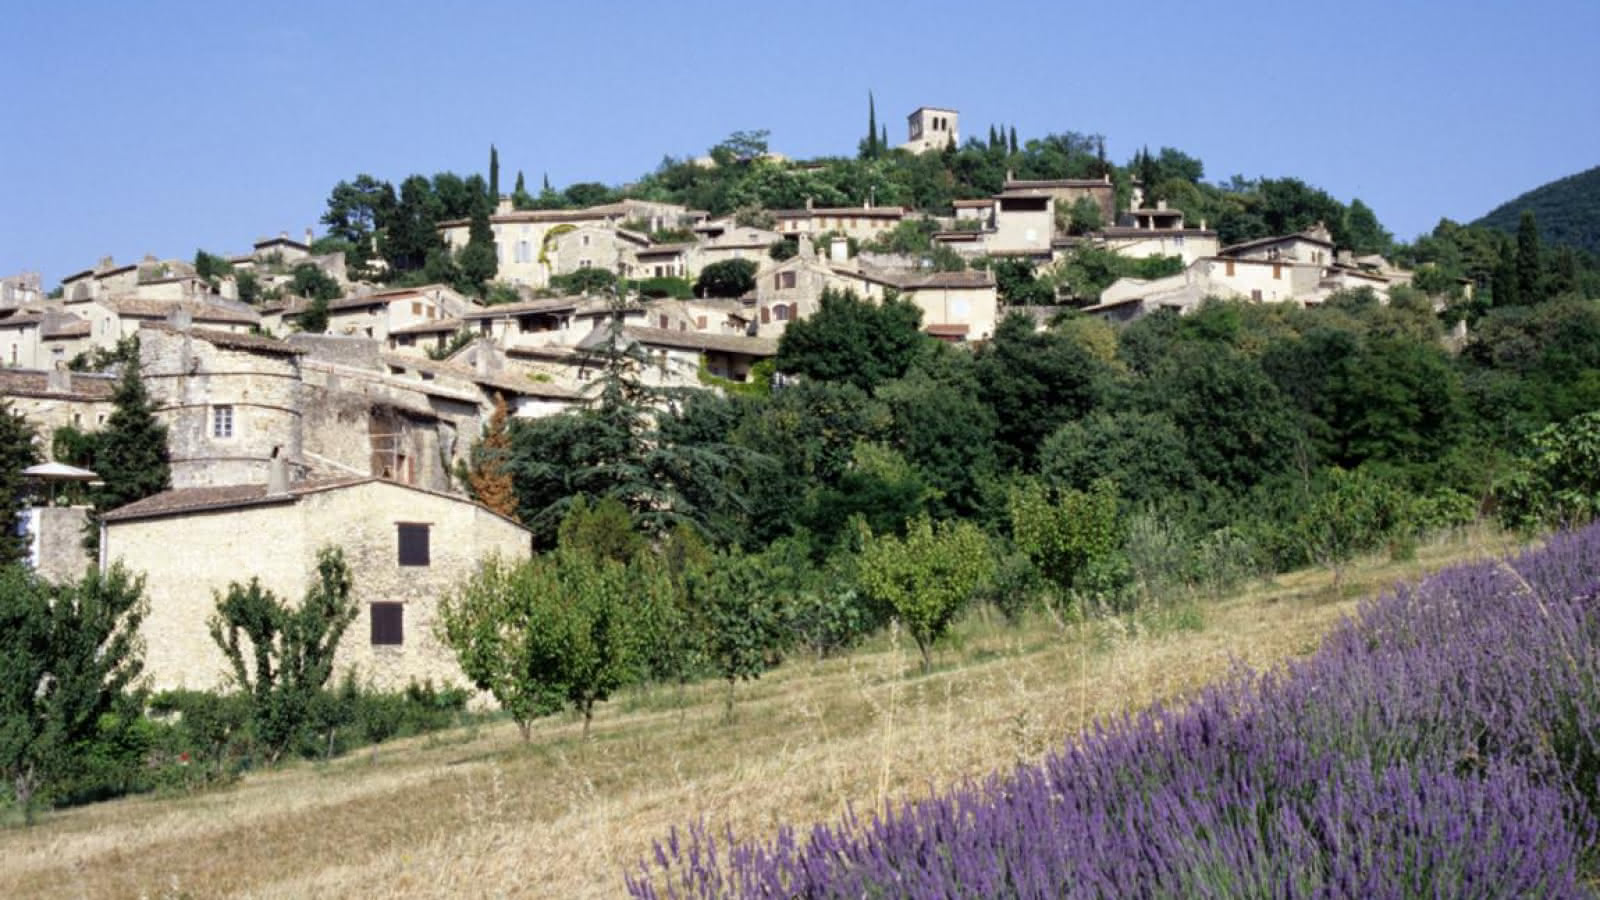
[227,340]
[549,304]
[1275,239]
[31,383]
[236,496]
[911,281]
[689,340]
[439,326]
[198,310]
[665,249]
[64,325]
[875,211]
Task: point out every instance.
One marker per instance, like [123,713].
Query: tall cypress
[1503,287]
[883,137]
[1013,139]
[1530,272]
[494,176]
[872,128]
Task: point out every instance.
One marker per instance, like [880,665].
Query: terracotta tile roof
[911,281]
[882,212]
[1275,239]
[549,304]
[947,330]
[227,340]
[235,496]
[64,325]
[689,340]
[986,201]
[440,326]
[33,383]
[198,310]
[1123,231]
[1056,183]
[498,380]
[665,249]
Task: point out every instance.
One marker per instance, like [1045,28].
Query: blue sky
[163,127]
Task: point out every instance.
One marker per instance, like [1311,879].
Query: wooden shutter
[766,315]
[413,544]
[388,624]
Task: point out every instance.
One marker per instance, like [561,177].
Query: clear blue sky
[136,128]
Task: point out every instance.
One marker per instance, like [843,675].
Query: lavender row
[1445,742]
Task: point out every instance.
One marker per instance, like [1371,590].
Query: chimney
[480,357]
[1010,176]
[839,249]
[180,318]
[283,235]
[1106,177]
[277,474]
[106,263]
[310,236]
[808,203]
[1202,224]
[807,249]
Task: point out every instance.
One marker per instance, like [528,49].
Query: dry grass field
[476,812]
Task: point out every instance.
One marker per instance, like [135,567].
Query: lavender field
[1444,743]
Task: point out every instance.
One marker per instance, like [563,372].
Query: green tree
[943,427]
[479,262]
[927,577]
[1073,537]
[561,629]
[68,656]
[1017,286]
[494,176]
[1144,453]
[742,620]
[130,454]
[782,249]
[411,233]
[359,211]
[249,286]
[311,282]
[520,198]
[1504,286]
[853,340]
[729,278]
[313,319]
[211,267]
[1034,383]
[290,649]
[1556,482]
[1529,266]
[1363,231]
[872,148]
[19,449]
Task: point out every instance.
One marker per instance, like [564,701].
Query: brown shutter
[388,624]
[766,315]
[413,544]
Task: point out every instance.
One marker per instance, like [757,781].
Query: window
[583,264]
[1256,296]
[586,240]
[416,308]
[788,279]
[388,624]
[1228,269]
[781,312]
[222,421]
[413,544]
[665,322]
[1277,272]
[700,322]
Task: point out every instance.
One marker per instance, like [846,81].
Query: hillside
[477,812]
[1568,211]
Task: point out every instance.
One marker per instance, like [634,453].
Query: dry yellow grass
[478,813]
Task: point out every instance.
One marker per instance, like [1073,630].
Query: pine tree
[130,455]
[489,478]
[17,452]
[1529,269]
[494,176]
[872,128]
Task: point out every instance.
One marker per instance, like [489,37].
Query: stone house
[426,337]
[1157,231]
[754,244]
[21,289]
[406,547]
[679,355]
[660,261]
[57,398]
[956,306]
[1067,191]
[376,314]
[863,223]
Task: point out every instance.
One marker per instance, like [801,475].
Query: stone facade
[55,547]
[231,403]
[190,545]
[51,400]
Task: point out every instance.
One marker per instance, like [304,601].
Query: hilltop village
[293,421]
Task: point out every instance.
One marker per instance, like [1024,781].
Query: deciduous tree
[927,577]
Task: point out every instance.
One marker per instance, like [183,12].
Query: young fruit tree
[286,657]
[743,625]
[553,631]
[927,577]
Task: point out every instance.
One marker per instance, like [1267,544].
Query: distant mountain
[1568,211]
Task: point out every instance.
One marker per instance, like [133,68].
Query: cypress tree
[1504,283]
[130,455]
[17,452]
[872,128]
[1013,139]
[993,139]
[883,137]
[1529,270]
[478,261]
[494,176]
[521,187]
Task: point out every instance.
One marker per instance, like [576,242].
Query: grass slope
[476,812]
[1567,210]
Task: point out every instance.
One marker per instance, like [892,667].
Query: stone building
[932,128]
[51,400]
[406,548]
[232,403]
